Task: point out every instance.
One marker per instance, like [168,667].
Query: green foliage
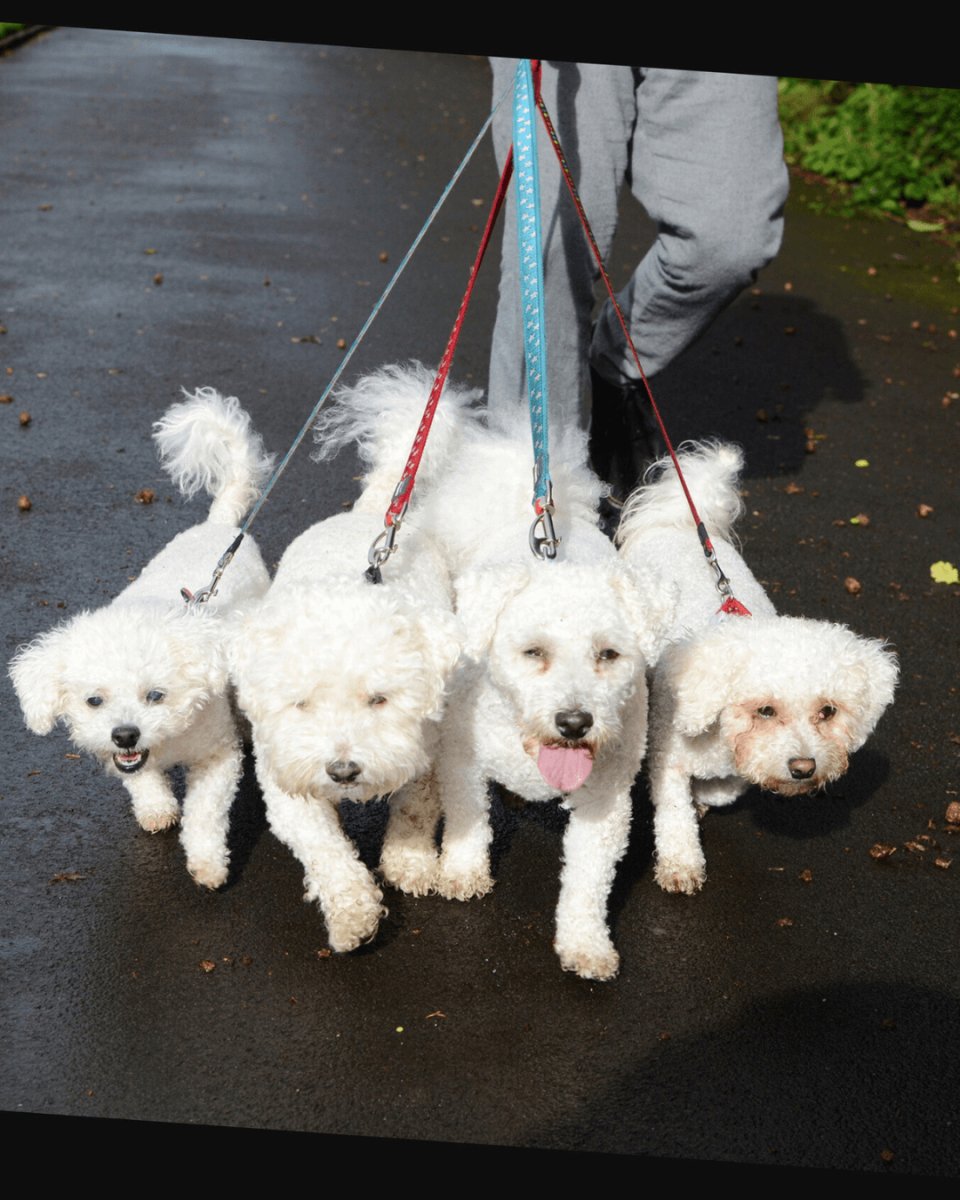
[8,27]
[896,147]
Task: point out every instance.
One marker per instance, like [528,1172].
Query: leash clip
[544,546]
[384,543]
[195,598]
[723,583]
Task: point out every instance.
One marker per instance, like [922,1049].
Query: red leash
[383,546]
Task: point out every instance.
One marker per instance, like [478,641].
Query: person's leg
[707,165]
[592,108]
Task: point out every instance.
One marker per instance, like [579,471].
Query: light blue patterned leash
[530,247]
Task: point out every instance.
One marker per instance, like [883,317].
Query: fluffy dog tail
[206,444]
[380,414]
[712,471]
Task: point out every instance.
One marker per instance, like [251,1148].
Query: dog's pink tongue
[564,767]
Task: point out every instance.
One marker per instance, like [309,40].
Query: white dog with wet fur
[555,703]
[142,684]
[344,680]
[765,700]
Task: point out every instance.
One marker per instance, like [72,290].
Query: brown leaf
[953,812]
[942,862]
[881,851]
[67,877]
[924,510]
[158,278]
[25,418]
[784,922]
[806,875]
[6,399]
[24,504]
[145,496]
[852,585]
[208,965]
[793,488]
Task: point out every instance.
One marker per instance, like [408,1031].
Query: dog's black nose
[343,772]
[125,736]
[573,723]
[802,768]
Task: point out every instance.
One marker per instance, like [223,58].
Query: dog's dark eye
[534,652]
[376,700]
[94,701]
[608,655]
[154,696]
[767,711]
[827,712]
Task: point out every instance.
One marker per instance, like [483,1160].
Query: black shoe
[608,516]
[624,435]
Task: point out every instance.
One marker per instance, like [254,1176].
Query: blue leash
[530,244]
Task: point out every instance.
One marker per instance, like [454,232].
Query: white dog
[142,684]
[556,702]
[343,679]
[776,702]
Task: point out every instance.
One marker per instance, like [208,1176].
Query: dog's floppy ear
[865,679]
[37,674]
[651,606]
[443,638]
[481,597]
[199,640]
[702,675]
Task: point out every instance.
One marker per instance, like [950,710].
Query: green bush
[895,146]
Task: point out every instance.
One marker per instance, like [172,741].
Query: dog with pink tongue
[554,702]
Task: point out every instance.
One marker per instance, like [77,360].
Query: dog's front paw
[353,913]
[208,872]
[462,883]
[680,875]
[154,818]
[601,961]
[413,871]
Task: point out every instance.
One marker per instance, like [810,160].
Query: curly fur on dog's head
[791,697]
[357,680]
[561,637]
[138,665]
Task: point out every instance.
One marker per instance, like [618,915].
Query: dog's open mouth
[129,761]
[565,765]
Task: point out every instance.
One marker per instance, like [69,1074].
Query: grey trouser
[703,154]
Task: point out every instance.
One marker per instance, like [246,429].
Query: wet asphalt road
[191,211]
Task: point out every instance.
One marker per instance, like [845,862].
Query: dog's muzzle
[128,759]
[343,772]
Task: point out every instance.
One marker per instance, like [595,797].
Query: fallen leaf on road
[881,851]
[944,572]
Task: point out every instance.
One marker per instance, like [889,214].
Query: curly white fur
[776,702]
[142,683]
[556,701]
[344,680]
